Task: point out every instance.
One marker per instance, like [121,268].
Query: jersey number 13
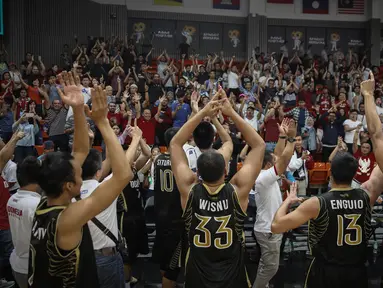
[345,233]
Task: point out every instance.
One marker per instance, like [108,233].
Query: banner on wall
[276,38]
[356,39]
[337,39]
[210,38]
[168,2]
[316,38]
[188,32]
[296,38]
[233,38]
[164,34]
[140,31]
[227,4]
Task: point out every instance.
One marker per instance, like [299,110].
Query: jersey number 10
[344,235]
[166,178]
[206,240]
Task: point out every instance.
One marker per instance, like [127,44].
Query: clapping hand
[99,106]
[19,135]
[72,95]
[367,87]
[292,194]
[283,127]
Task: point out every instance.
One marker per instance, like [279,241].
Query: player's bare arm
[245,178]
[285,221]
[373,122]
[184,176]
[79,213]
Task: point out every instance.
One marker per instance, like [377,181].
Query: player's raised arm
[245,178]
[185,177]
[373,123]
[73,97]
[79,213]
[374,185]
[285,221]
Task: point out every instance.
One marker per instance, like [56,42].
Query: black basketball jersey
[340,233]
[214,223]
[50,266]
[130,197]
[167,202]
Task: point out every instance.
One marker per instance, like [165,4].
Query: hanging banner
[140,30]
[337,40]
[164,35]
[356,40]
[276,38]
[188,32]
[296,38]
[210,38]
[168,2]
[227,4]
[316,38]
[234,38]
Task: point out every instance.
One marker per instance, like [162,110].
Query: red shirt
[4,197]
[117,117]
[324,104]
[307,96]
[34,94]
[344,106]
[272,132]
[366,165]
[148,129]
[21,106]
[165,115]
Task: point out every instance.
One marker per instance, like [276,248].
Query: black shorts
[323,275]
[169,249]
[133,228]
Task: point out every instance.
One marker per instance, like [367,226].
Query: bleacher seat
[163,149]
[319,175]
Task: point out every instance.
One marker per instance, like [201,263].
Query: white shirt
[232,79]
[108,217]
[254,121]
[86,93]
[9,175]
[192,154]
[268,198]
[349,136]
[21,209]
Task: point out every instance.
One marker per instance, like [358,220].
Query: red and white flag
[351,7]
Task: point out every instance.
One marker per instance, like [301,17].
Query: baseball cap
[48,145]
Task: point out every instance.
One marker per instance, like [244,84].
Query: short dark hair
[28,171]
[267,158]
[203,135]
[354,110]
[92,164]
[169,134]
[56,170]
[211,166]
[339,174]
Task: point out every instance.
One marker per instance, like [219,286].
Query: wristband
[282,137]
[291,140]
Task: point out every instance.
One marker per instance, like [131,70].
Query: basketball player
[61,252]
[169,224]
[214,211]
[130,211]
[340,226]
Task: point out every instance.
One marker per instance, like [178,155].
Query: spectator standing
[6,120]
[26,146]
[147,124]
[366,161]
[56,119]
[331,125]
[351,126]
[299,114]
[180,110]
[163,116]
[300,162]
[272,119]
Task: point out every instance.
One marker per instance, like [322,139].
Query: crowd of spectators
[321,93]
